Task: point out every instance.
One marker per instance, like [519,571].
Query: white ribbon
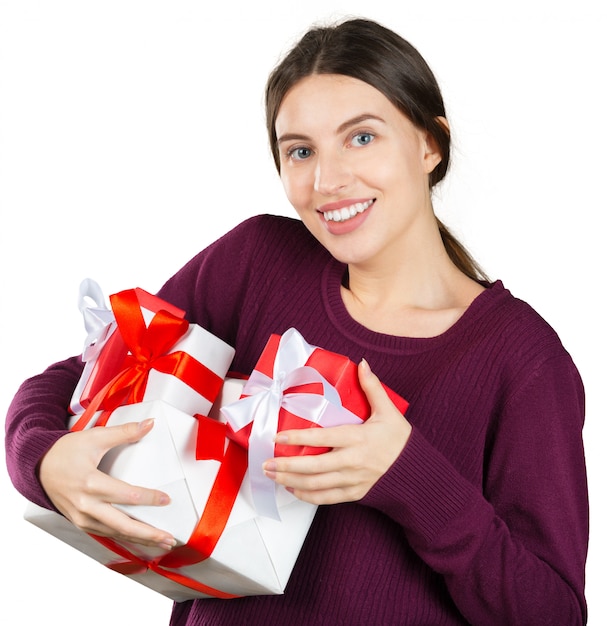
[99,323]
[266,396]
[98,319]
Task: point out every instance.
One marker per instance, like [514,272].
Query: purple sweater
[483,519]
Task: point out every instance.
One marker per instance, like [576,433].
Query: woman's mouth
[347,212]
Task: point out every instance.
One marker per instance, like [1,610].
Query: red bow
[148,348]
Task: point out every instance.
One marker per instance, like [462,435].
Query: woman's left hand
[360,454]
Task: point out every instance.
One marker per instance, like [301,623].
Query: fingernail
[164,500]
[269,466]
[365,367]
[280,438]
[168,544]
[269,470]
[144,425]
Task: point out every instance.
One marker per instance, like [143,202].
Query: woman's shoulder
[271,227]
[268,223]
[263,247]
[515,327]
[273,238]
[256,238]
[515,311]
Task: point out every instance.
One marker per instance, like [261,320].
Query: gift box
[147,351]
[225,548]
[104,350]
[294,385]
[228,545]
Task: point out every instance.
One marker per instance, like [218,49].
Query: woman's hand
[84,494]
[360,454]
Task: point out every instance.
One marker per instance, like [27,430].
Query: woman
[473,510]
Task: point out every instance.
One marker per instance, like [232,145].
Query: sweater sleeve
[513,553]
[36,418]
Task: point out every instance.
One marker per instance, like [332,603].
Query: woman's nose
[331,175]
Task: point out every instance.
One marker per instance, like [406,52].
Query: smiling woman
[472,508]
[396,70]
[326,170]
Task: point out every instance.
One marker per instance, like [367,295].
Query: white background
[132,135]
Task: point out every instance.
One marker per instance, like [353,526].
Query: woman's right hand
[85,494]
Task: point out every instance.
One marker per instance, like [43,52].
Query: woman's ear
[444,123]
[433,155]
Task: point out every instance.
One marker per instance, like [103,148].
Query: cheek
[409,167]
[296,189]
[287,186]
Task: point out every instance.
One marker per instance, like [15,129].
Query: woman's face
[354,168]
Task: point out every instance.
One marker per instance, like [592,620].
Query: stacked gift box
[238,533]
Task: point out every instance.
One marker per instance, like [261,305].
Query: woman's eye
[362,139]
[299,153]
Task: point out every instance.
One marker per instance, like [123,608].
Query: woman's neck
[421,296]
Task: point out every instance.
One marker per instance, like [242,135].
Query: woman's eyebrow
[363,117]
[292,137]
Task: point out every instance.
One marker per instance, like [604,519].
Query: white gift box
[253,556]
[105,351]
[207,349]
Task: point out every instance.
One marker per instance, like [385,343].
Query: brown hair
[367,51]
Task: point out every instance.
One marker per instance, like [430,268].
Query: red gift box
[294,385]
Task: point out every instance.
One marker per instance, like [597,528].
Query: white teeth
[341,215]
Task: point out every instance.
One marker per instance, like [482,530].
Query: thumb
[374,390]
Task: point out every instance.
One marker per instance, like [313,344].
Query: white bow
[266,396]
[99,323]
[98,318]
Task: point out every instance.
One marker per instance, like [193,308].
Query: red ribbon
[211,524]
[137,565]
[217,510]
[148,348]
